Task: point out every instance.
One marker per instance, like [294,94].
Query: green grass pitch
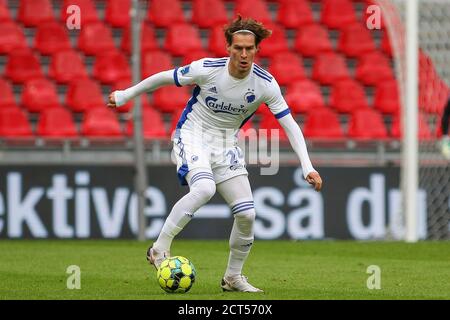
[287,270]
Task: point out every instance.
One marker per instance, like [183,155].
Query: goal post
[419,32]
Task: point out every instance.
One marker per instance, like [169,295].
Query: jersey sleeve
[193,73]
[275,101]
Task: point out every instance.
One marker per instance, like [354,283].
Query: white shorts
[223,158]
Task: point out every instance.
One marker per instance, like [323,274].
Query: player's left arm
[281,111]
[298,143]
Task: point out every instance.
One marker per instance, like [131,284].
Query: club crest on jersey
[220,106]
[185,70]
[250,97]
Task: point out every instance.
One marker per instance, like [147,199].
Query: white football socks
[201,191]
[241,240]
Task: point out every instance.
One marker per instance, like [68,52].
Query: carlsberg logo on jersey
[217,107]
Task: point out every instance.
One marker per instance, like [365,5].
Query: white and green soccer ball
[176,274]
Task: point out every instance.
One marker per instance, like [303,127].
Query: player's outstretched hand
[315,180]
[112,101]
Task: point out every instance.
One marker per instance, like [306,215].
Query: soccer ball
[176,274]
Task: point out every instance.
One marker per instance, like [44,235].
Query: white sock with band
[201,191]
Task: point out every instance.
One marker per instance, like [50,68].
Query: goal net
[433,77]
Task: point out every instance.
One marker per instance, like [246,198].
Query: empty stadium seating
[366,124]
[312,40]
[101,123]
[287,67]
[164,13]
[153,124]
[424,131]
[14,123]
[347,95]
[39,94]
[294,14]
[11,37]
[22,66]
[63,72]
[56,123]
[204,17]
[322,123]
[303,96]
[118,13]
[320,53]
[34,12]
[6,94]
[51,37]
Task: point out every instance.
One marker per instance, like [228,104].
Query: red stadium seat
[257,9]
[170,98]
[154,62]
[11,37]
[217,43]
[64,72]
[153,124]
[347,95]
[424,128]
[386,98]
[95,38]
[34,12]
[4,13]
[269,122]
[23,66]
[287,67]
[329,68]
[366,124]
[6,94]
[322,123]
[100,123]
[84,94]
[294,14]
[111,66]
[118,13]
[87,10]
[14,123]
[373,68]
[51,37]
[276,43]
[204,17]
[312,40]
[355,40]
[182,38]
[39,94]
[56,123]
[164,13]
[336,14]
[195,55]
[148,39]
[303,96]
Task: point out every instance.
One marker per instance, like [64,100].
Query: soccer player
[228,91]
[445,143]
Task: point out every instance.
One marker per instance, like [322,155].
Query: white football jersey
[220,101]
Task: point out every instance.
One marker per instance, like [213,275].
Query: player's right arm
[120,97]
[190,74]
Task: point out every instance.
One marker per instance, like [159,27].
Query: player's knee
[245,220]
[204,189]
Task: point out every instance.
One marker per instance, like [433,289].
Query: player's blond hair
[257,28]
